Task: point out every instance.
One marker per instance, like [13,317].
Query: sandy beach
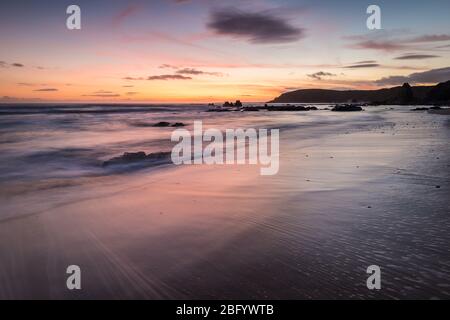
[353,190]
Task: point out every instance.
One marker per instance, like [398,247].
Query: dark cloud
[167,66]
[366,62]
[134,78]
[169,77]
[191,71]
[131,93]
[384,45]
[430,76]
[18,65]
[416,57]
[46,90]
[254,27]
[319,75]
[2,64]
[363,65]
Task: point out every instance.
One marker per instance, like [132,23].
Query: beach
[353,190]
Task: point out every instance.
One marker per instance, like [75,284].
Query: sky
[185,51]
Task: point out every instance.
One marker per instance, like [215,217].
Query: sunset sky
[211,51]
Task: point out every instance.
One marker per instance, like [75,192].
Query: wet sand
[346,197]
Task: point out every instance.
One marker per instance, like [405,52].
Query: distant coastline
[403,95]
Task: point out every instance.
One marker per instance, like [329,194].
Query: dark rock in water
[178,124]
[289,108]
[251,109]
[162,124]
[346,108]
[313,108]
[435,108]
[133,157]
[420,109]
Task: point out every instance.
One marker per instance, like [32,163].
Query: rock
[420,109]
[251,109]
[178,124]
[162,124]
[346,108]
[288,108]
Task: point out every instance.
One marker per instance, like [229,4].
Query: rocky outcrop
[346,108]
[404,95]
[167,124]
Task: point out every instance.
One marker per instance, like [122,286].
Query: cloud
[46,90]
[430,76]
[131,93]
[254,27]
[129,86]
[430,38]
[169,77]
[363,65]
[167,66]
[133,78]
[385,45]
[319,75]
[4,64]
[102,95]
[103,92]
[365,62]
[18,99]
[416,57]
[160,77]
[192,71]
[393,40]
